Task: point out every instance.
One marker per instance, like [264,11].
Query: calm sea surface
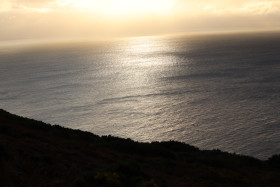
[213,91]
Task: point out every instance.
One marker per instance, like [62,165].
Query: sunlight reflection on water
[212,92]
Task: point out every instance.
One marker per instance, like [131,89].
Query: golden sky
[28,19]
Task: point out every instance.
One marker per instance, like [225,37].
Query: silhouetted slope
[37,154]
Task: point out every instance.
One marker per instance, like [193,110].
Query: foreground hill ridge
[33,153]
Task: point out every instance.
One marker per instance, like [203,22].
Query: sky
[35,19]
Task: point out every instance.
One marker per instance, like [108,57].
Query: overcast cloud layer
[27,19]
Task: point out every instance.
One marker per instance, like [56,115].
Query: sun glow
[23,19]
[121,7]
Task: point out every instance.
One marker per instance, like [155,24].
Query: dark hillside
[33,153]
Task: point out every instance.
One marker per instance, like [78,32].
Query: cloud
[251,7]
[55,18]
[182,6]
[231,6]
[40,6]
[39,10]
[5,5]
[25,2]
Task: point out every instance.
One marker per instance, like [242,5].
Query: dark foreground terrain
[33,153]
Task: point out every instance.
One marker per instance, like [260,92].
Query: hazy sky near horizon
[28,19]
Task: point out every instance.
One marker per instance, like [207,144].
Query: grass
[34,153]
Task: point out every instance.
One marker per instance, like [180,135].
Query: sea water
[214,91]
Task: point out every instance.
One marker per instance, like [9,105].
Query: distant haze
[32,19]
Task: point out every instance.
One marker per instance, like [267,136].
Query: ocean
[213,91]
